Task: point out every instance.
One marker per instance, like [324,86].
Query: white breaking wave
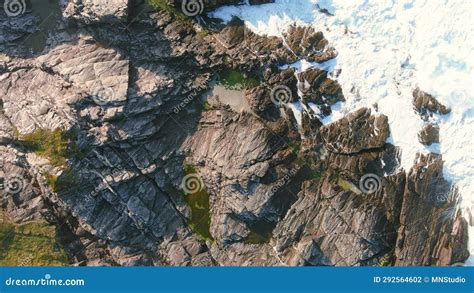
[386,49]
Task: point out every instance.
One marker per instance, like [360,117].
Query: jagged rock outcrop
[245,158]
[426,105]
[307,43]
[429,134]
[334,223]
[433,232]
[251,52]
[356,132]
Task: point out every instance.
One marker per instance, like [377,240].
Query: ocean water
[387,48]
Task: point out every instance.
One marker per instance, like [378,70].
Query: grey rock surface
[96,11]
[279,193]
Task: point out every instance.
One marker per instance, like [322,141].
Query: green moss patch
[62,182]
[165,6]
[205,107]
[235,80]
[260,232]
[56,145]
[294,146]
[200,220]
[255,238]
[30,244]
[198,202]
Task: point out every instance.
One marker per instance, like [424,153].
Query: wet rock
[433,233]
[334,222]
[257,2]
[318,89]
[307,43]
[427,105]
[252,52]
[284,79]
[356,132]
[429,134]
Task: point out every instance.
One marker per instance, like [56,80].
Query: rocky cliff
[144,171]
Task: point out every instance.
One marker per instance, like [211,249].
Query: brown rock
[356,132]
[432,230]
[308,43]
[427,105]
[429,134]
